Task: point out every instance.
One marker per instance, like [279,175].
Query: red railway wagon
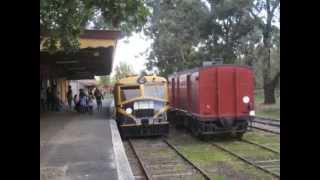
[212,100]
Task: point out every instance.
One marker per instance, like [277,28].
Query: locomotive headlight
[245,99]
[252,113]
[129,110]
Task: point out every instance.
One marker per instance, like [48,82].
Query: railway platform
[77,146]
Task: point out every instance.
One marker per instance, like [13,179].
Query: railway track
[266,130]
[261,146]
[269,122]
[267,125]
[270,166]
[159,159]
[267,119]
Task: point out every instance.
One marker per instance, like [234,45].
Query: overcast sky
[129,50]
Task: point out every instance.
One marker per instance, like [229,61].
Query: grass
[246,150]
[268,111]
[218,164]
[267,139]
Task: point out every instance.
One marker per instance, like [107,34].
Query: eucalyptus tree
[187,32]
[64,20]
[227,24]
[174,29]
[123,70]
[267,13]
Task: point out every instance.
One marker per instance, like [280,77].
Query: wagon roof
[133,79]
[207,67]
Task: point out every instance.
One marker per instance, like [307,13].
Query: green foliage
[265,12]
[64,20]
[174,28]
[229,22]
[123,70]
[187,32]
[105,80]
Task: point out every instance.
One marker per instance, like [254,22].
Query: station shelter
[94,58]
[76,145]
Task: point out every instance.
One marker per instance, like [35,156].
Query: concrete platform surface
[81,147]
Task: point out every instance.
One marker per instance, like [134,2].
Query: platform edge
[123,169]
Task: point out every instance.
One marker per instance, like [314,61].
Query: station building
[76,145]
[95,58]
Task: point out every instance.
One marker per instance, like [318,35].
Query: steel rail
[186,159]
[266,130]
[268,119]
[266,123]
[148,176]
[260,145]
[246,160]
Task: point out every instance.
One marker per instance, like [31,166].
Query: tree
[174,28]
[105,80]
[63,20]
[187,32]
[227,23]
[123,70]
[270,8]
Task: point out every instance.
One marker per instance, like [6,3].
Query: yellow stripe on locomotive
[141,105]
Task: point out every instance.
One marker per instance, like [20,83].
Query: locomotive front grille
[140,113]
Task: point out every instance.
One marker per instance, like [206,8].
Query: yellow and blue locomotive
[141,104]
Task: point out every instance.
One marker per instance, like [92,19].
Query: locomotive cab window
[155,90]
[129,92]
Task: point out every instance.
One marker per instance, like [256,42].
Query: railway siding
[264,138]
[267,125]
[158,160]
[270,166]
[217,163]
[260,153]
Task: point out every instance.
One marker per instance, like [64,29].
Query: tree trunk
[269,90]
[269,95]
[268,82]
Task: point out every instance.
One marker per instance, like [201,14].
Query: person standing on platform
[69,98]
[99,98]
[82,100]
[43,99]
[55,98]
[90,93]
[49,99]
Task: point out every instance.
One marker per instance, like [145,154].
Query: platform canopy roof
[95,57]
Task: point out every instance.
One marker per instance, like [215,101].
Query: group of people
[84,102]
[49,99]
